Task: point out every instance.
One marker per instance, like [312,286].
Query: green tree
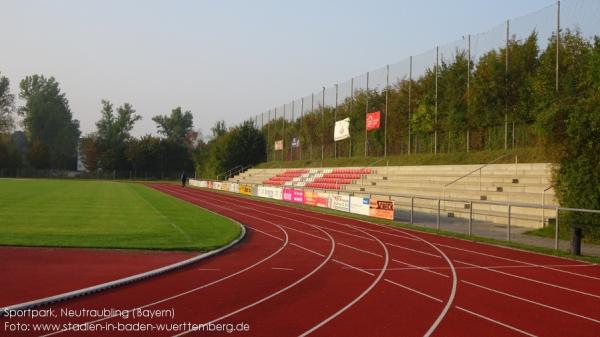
[7,105]
[113,134]
[176,126]
[49,123]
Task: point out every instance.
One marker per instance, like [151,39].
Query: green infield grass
[101,214]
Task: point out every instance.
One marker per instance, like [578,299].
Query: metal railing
[228,171]
[479,169]
[435,209]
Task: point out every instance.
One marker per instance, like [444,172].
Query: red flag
[373,120]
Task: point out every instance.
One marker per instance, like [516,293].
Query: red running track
[299,272]
[25,280]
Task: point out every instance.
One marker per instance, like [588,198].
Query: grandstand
[468,190]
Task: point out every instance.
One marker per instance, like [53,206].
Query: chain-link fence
[476,93]
[99,174]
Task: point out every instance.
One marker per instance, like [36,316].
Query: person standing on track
[183,179]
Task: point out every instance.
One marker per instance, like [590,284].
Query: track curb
[123,281]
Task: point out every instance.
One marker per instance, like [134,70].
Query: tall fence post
[268,133]
[323,132]
[366,112]
[557,40]
[506,86]
[283,136]
[468,84]
[437,56]
[301,127]
[409,99]
[387,88]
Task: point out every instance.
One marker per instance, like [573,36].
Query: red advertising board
[373,120]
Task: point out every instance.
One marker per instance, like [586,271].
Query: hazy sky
[223,59]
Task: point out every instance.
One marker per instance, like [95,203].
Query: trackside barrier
[344,202]
[470,217]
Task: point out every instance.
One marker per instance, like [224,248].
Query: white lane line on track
[531,301]
[360,250]
[524,262]
[421,268]
[414,291]
[359,297]
[356,299]
[265,233]
[266,298]
[495,321]
[479,315]
[454,277]
[305,233]
[413,267]
[530,279]
[165,299]
[414,250]
[336,261]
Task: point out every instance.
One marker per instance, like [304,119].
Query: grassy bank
[525,155]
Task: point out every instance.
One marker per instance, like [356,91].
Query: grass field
[71,213]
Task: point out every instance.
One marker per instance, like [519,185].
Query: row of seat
[328,186]
[351,176]
[353,171]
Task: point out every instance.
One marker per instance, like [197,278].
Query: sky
[224,59]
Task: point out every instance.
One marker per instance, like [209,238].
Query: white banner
[342,129]
[278,145]
[359,205]
[216,185]
[234,187]
[340,202]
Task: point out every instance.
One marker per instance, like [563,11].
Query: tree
[7,105]
[569,124]
[49,123]
[113,134]
[176,126]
